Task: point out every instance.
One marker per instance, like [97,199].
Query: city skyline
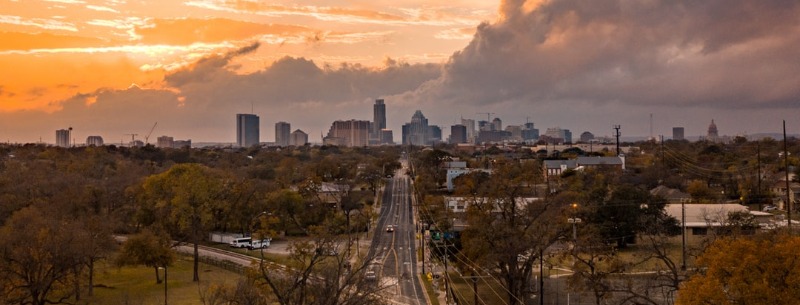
[111,68]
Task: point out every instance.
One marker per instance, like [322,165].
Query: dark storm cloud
[717,53]
[295,80]
[201,100]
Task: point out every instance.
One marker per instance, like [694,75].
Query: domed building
[713,134]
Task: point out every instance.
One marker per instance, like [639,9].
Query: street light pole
[574,221]
[165,283]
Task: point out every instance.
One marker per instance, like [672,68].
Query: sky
[116,67]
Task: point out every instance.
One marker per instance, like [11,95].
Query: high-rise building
[94,141]
[434,134]
[247,130]
[677,133]
[416,132]
[63,137]
[497,124]
[529,133]
[379,118]
[469,124]
[351,133]
[182,144]
[558,135]
[282,132]
[516,132]
[458,134]
[492,136]
[485,126]
[298,138]
[165,142]
[387,136]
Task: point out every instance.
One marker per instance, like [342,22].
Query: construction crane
[488,115]
[147,137]
[133,137]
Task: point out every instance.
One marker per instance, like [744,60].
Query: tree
[38,254]
[762,270]
[184,196]
[93,235]
[521,228]
[146,248]
[322,271]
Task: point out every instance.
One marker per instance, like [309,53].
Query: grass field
[137,285]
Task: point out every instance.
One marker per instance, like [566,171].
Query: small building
[779,189]
[458,168]
[701,218]
[459,205]
[671,195]
[554,168]
[558,167]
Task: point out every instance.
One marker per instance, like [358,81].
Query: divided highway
[394,249]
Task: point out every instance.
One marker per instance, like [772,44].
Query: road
[395,252]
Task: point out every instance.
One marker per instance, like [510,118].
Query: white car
[242,242]
[769,208]
[259,244]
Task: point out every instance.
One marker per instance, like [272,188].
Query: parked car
[770,208]
[242,242]
[259,243]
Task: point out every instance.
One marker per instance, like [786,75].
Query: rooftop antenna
[617,134]
[651,127]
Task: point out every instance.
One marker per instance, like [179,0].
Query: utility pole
[758,161]
[617,134]
[422,243]
[786,165]
[663,161]
[475,288]
[541,276]
[446,275]
[683,235]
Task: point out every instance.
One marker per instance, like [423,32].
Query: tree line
[60,209]
[623,230]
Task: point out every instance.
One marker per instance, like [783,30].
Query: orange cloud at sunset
[41,82]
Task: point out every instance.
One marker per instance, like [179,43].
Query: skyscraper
[247,130]
[94,141]
[387,136]
[416,132]
[529,133]
[298,138]
[677,133]
[282,132]
[469,124]
[379,118]
[497,124]
[458,134]
[165,142]
[351,133]
[63,136]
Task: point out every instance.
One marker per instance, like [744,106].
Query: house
[602,162]
[700,218]
[779,189]
[458,168]
[459,205]
[554,168]
[671,195]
